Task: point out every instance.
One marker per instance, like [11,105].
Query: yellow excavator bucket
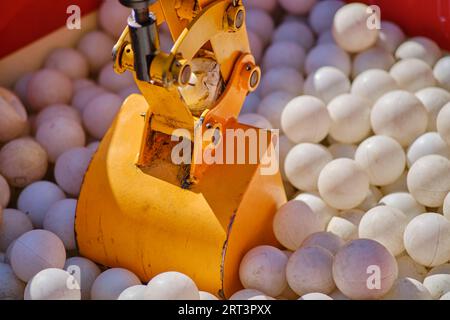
[141,210]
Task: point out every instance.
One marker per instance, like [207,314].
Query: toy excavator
[141,210]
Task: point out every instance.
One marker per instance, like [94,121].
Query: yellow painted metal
[138,209]
[139,217]
[208,27]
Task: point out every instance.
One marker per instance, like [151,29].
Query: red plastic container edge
[429,18]
[24,21]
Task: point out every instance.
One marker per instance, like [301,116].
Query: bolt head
[240,16]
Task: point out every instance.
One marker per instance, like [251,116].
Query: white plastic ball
[330,55]
[133,293]
[59,135]
[262,297]
[112,81]
[404,202]
[305,119]
[297,7]
[96,46]
[390,36]
[427,239]
[281,79]
[37,198]
[326,240]
[351,30]
[47,87]
[288,293]
[372,84]
[441,72]
[326,37]
[315,296]
[443,124]
[285,145]
[68,61]
[407,267]
[260,22]
[7,257]
[382,158]
[268,5]
[112,17]
[422,48]
[433,99]
[364,269]
[326,83]
[100,113]
[429,180]
[309,270]
[83,96]
[128,91]
[53,284]
[386,225]
[293,56]
[57,111]
[246,294]
[272,106]
[303,164]
[412,74]
[408,289]
[207,296]
[22,161]
[294,31]
[93,146]
[350,118]
[427,144]
[14,224]
[318,206]
[322,15]
[437,285]
[446,206]
[343,228]
[11,287]
[20,87]
[337,295]
[70,168]
[343,184]
[263,268]
[85,272]
[82,83]
[373,58]
[256,45]
[112,282]
[294,222]
[445,296]
[13,116]
[5,192]
[60,219]
[251,103]
[399,115]
[255,120]
[171,286]
[34,251]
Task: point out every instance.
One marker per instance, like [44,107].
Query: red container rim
[25,21]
